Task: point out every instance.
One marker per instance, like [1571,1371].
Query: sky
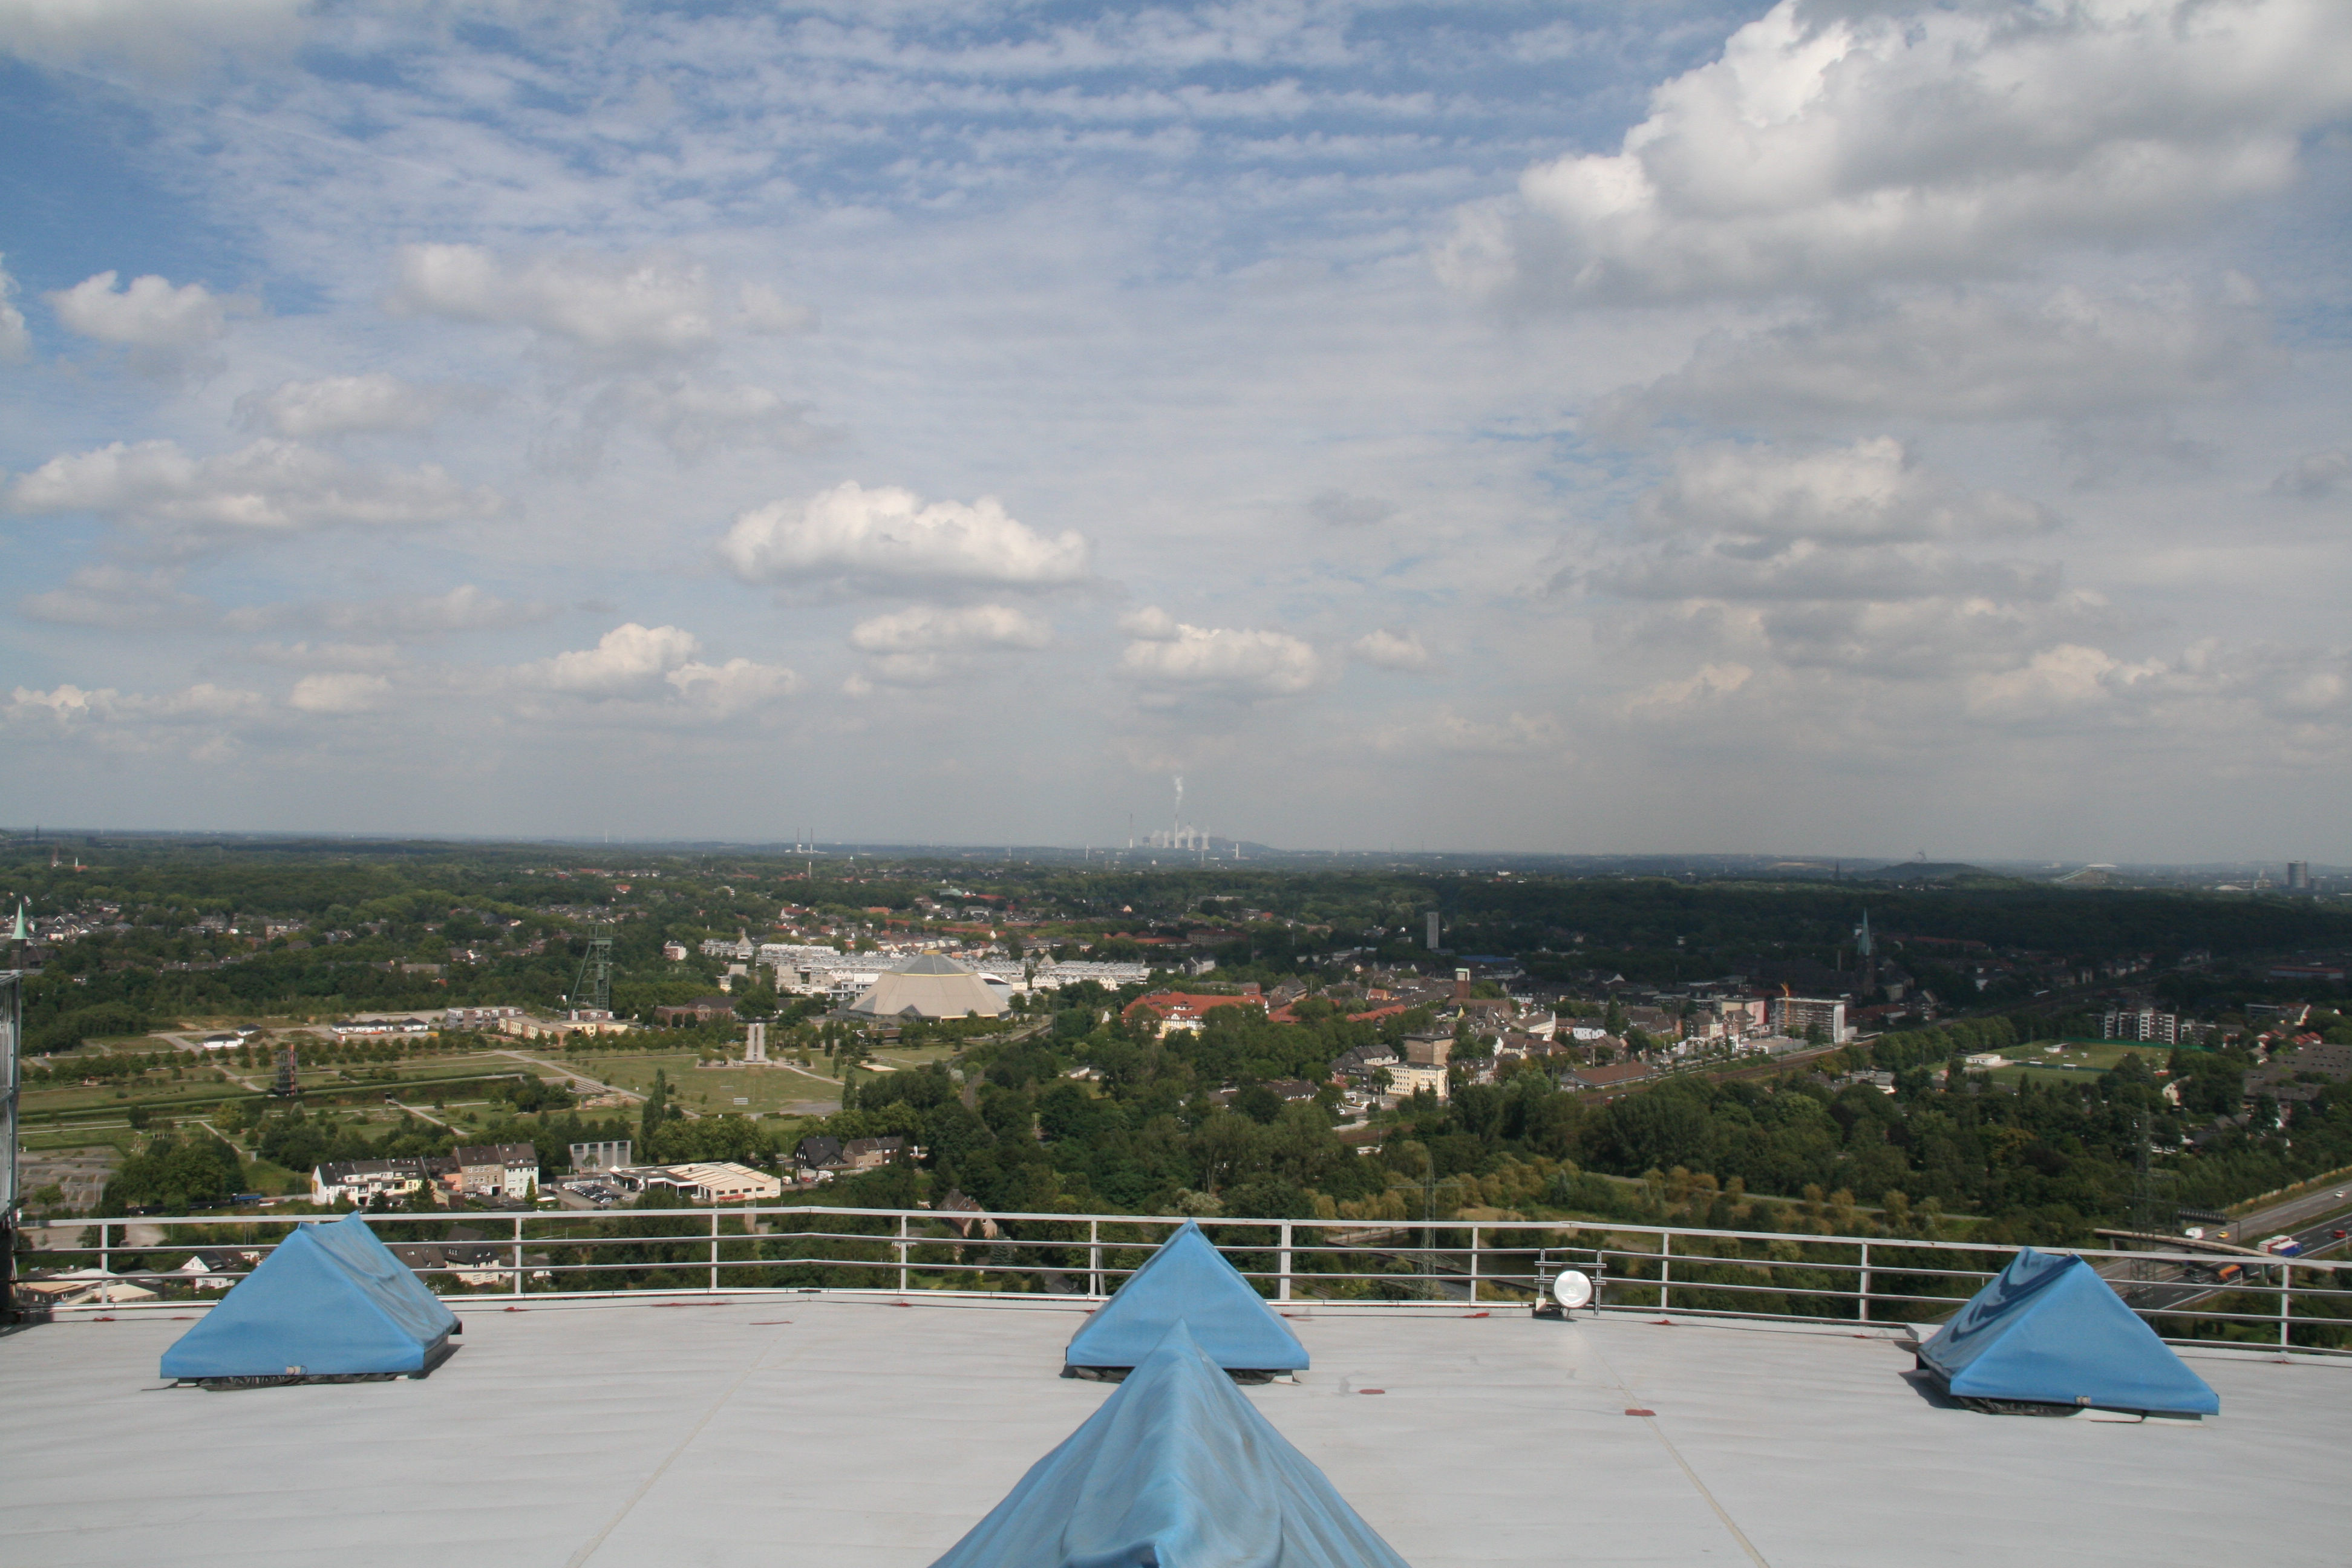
[1815,428]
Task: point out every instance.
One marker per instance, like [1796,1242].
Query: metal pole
[902,1254]
[2287,1300]
[1093,1258]
[517,1255]
[714,1248]
[1282,1292]
[1665,1269]
[1865,1281]
[105,1249]
[1474,1265]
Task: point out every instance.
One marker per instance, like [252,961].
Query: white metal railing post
[1282,1292]
[1866,1282]
[517,1255]
[105,1245]
[2286,1298]
[1665,1269]
[1474,1265]
[1093,1258]
[714,1247]
[902,1255]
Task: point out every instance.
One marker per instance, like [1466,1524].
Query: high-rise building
[1432,931]
[1797,1015]
[2298,876]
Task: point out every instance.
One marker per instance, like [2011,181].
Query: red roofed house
[1184,1010]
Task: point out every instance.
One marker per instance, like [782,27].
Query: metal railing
[2288,1302]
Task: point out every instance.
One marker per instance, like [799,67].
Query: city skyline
[1533,429]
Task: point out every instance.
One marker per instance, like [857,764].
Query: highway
[2316,1220]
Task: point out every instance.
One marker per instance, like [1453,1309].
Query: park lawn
[712,1091]
[2078,1062]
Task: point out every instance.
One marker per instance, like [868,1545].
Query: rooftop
[861,1432]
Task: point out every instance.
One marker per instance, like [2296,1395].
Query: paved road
[2166,1289]
[2293,1215]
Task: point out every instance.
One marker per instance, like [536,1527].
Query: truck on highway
[2282,1246]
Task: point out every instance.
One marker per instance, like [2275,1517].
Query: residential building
[507,1171]
[2140,1024]
[871,1153]
[1799,1015]
[363,1181]
[1408,1078]
[1183,1011]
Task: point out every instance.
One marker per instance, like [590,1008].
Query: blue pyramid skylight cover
[329,1300]
[1187,1279]
[1176,1469]
[2048,1330]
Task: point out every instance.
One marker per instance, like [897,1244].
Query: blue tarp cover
[2047,1329]
[1177,1469]
[329,1300]
[1187,1279]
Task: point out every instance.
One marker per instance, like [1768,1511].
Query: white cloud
[1710,681]
[267,486]
[405,617]
[626,307]
[1962,355]
[1223,661]
[365,657]
[1340,509]
[70,706]
[924,628]
[761,309]
[1385,649]
[1447,732]
[16,342]
[634,662]
[2314,476]
[148,314]
[692,416]
[735,687]
[345,405]
[338,691]
[1922,141]
[1860,522]
[889,534]
[627,658]
[1149,622]
[166,39]
[119,597]
[1870,491]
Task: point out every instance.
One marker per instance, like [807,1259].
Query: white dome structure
[930,987]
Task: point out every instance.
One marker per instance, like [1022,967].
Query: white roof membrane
[859,1434]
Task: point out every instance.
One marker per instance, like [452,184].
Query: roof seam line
[595,1542]
[1685,1465]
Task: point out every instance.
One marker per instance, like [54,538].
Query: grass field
[2074,1059]
[715,1091]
